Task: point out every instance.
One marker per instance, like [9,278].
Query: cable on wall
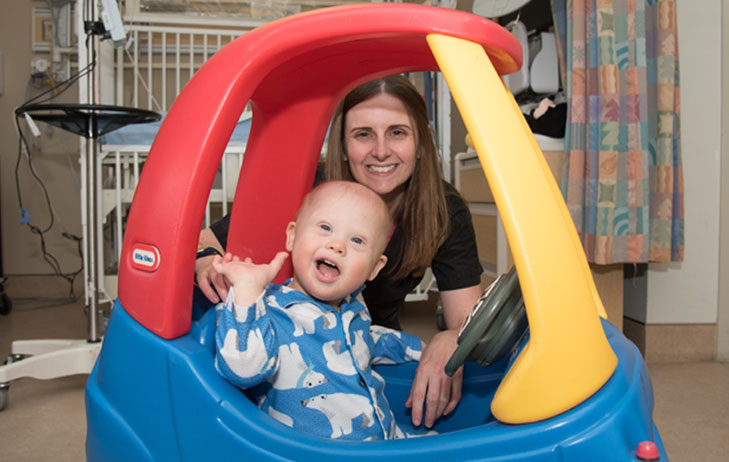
[41,231]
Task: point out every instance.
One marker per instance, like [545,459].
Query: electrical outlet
[38,65]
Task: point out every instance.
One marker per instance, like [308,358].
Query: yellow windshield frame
[568,357]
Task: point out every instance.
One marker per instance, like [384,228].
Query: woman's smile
[382,168]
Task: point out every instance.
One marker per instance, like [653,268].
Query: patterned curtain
[622,179]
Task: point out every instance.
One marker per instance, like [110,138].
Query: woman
[380,137]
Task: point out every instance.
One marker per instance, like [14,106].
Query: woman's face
[380,141]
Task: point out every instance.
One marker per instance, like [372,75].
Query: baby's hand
[247,278]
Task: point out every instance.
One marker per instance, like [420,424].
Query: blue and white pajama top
[308,365]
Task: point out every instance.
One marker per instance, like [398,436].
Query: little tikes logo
[145,257]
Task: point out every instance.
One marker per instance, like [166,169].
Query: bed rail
[160,60]
[149,73]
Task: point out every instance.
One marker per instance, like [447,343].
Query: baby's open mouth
[327,268]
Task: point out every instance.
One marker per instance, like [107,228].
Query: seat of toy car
[479,386]
[203,330]
[490,341]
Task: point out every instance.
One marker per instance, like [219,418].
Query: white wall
[54,156]
[723,327]
[687,292]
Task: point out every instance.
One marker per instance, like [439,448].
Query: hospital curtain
[622,179]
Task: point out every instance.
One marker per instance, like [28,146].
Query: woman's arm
[458,303]
[432,388]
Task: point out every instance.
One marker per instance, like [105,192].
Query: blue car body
[158,400]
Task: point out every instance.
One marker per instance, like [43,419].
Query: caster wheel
[6,305]
[4,388]
[14,358]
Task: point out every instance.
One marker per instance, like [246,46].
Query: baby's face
[336,245]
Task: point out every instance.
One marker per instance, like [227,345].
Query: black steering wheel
[495,325]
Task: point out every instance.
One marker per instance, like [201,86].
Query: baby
[305,349]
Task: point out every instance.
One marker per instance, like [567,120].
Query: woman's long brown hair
[422,214]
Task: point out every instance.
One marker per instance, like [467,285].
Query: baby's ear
[290,234]
[381,262]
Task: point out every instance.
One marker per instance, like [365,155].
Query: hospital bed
[149,74]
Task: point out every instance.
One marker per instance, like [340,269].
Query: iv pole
[88,199]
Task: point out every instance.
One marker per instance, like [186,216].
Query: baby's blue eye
[357,240]
[326,227]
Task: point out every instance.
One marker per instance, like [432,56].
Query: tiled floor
[45,420]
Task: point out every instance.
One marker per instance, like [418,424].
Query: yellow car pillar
[568,357]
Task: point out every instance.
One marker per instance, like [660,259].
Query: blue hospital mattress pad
[143,134]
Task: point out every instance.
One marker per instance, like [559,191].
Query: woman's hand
[432,388]
[211,283]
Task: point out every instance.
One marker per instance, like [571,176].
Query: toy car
[570,388]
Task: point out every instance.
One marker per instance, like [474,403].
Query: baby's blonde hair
[362,194]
